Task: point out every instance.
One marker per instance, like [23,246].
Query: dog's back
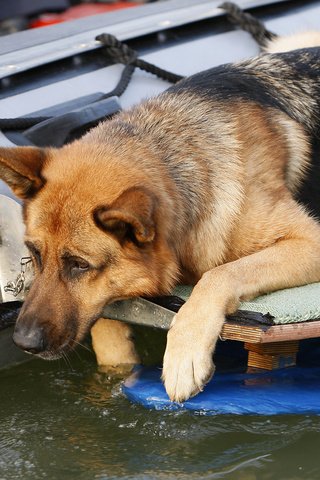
[288,82]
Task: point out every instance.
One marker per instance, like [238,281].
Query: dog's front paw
[187,363]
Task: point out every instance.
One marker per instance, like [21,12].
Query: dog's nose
[30,339]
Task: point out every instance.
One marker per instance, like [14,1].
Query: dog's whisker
[82,346]
[77,353]
[67,360]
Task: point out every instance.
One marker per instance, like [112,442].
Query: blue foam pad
[293,390]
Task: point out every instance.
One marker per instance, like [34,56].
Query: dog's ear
[20,168]
[130,216]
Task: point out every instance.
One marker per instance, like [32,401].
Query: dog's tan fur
[165,193]
[293,41]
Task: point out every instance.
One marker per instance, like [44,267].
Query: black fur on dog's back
[289,82]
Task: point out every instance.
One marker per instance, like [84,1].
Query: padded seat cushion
[290,305]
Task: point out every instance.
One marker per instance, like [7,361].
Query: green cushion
[291,305]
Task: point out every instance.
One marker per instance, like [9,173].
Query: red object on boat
[79,11]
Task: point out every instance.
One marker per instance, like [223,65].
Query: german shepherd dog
[199,185]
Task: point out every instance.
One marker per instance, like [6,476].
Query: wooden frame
[270,334]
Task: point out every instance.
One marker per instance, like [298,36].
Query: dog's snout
[31,339]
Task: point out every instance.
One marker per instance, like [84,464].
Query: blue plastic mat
[293,390]
[288,391]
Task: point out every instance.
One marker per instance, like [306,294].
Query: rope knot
[248,23]
[120,52]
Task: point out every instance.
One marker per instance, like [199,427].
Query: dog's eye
[37,256]
[77,265]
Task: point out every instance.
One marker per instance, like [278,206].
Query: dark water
[61,421]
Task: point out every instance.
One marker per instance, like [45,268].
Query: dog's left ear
[20,168]
[130,216]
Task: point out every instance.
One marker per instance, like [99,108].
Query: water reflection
[76,424]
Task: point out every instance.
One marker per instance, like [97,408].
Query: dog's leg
[113,344]
[292,260]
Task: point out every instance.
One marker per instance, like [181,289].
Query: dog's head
[97,232]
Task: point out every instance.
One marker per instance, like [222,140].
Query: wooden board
[275,333]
